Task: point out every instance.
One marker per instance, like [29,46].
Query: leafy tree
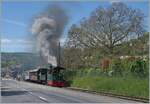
[107,28]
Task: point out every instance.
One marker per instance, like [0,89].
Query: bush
[125,68]
[117,68]
[139,68]
[68,76]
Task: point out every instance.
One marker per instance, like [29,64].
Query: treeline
[109,32]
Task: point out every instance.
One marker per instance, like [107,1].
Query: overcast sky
[17,18]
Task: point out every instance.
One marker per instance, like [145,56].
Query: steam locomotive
[50,76]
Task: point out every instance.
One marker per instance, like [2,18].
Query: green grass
[127,86]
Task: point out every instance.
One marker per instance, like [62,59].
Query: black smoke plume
[47,29]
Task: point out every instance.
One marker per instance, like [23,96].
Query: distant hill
[16,63]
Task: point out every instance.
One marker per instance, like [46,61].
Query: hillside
[14,63]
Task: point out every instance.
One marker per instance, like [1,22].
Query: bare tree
[107,27]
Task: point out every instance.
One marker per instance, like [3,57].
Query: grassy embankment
[95,80]
[125,86]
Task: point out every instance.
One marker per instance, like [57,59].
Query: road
[23,92]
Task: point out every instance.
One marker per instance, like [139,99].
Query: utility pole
[59,54]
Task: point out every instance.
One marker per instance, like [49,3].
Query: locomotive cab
[55,77]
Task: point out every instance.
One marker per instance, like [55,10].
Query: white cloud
[21,45]
[13,22]
[16,45]
[114,1]
[23,41]
[5,41]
